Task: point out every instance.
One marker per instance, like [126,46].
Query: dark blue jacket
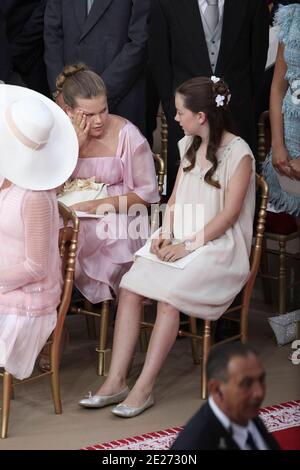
[111,40]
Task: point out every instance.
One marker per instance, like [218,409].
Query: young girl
[38,153]
[216,174]
[114,152]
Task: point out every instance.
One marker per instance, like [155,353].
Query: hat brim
[48,167]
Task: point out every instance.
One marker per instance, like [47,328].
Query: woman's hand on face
[281,161]
[81,126]
[295,168]
[158,243]
[171,253]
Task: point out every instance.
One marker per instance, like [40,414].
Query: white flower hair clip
[220,100]
[214,79]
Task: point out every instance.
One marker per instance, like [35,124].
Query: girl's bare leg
[126,334]
[162,339]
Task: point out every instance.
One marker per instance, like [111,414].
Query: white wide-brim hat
[38,144]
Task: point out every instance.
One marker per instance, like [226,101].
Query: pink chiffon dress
[30,275]
[105,247]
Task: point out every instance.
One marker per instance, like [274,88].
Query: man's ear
[213,385]
[215,388]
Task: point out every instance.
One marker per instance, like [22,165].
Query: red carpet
[283,421]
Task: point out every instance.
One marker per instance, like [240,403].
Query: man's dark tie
[250,442]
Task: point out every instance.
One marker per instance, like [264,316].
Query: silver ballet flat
[99,401]
[126,411]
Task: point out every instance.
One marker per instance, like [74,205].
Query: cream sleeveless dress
[208,284]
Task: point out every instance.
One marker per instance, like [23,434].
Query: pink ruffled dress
[105,251]
[30,275]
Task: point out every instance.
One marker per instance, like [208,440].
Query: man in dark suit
[236,385]
[185,41]
[25,25]
[5,53]
[109,36]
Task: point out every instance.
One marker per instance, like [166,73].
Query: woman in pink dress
[38,153]
[114,152]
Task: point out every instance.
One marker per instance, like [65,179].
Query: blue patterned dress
[288,20]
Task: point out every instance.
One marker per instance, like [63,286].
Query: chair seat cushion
[280,223]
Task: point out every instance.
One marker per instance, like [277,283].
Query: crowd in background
[142,50]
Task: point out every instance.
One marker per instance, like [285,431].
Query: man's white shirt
[238,433]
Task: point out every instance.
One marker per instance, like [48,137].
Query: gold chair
[68,247]
[280,228]
[103,313]
[164,137]
[205,338]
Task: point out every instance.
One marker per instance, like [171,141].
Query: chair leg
[244,324]
[205,352]
[144,340]
[56,352]
[55,386]
[194,341]
[103,357]
[264,266]
[7,388]
[282,278]
[90,321]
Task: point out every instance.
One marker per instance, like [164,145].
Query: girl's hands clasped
[171,253]
[160,242]
[162,247]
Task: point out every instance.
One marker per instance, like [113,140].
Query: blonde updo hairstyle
[78,81]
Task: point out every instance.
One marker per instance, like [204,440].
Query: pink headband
[19,134]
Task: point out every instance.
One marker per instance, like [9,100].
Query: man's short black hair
[220,355]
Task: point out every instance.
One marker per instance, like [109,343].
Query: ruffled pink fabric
[30,273]
[102,258]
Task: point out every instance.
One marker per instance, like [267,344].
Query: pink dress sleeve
[139,169]
[37,217]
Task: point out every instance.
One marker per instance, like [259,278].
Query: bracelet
[166,231]
[189,245]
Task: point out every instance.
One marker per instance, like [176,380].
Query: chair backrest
[262,188]
[154,210]
[68,248]
[259,230]
[164,137]
[160,171]
[264,136]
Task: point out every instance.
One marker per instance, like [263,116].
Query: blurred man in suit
[109,36]
[5,53]
[229,420]
[25,25]
[226,38]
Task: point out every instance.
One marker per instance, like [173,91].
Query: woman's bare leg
[126,334]
[162,339]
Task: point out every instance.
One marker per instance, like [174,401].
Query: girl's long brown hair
[199,94]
